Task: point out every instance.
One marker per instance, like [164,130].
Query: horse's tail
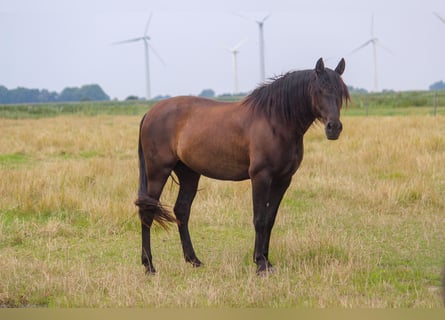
[149,208]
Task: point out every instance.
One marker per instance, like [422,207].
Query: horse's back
[170,116]
[187,101]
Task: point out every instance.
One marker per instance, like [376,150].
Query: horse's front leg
[267,195]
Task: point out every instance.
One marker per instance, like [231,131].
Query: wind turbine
[260,23]
[374,41]
[439,17]
[234,51]
[145,38]
[262,63]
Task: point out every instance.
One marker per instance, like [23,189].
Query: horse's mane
[289,97]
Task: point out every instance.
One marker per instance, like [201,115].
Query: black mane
[290,97]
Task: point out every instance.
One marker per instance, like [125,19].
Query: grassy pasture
[362,224]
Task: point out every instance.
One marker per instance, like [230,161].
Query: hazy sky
[53,44]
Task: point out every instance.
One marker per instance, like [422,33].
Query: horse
[259,138]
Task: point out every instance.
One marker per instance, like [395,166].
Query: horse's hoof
[150,270]
[195,262]
[265,271]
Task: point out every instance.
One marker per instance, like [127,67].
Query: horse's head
[328,94]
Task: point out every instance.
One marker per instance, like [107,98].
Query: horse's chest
[290,160]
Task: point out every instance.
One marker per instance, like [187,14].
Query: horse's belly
[225,173]
[214,163]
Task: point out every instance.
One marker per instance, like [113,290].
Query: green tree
[69,94]
[207,93]
[4,98]
[439,85]
[93,92]
[46,96]
[24,95]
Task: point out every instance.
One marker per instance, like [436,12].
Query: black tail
[149,208]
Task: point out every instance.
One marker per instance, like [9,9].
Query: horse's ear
[319,67]
[341,67]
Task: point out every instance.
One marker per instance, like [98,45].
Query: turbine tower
[260,23]
[234,51]
[374,41]
[145,38]
[261,34]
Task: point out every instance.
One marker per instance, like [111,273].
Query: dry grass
[361,225]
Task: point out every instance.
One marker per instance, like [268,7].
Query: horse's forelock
[331,82]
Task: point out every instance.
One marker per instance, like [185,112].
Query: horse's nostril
[334,126]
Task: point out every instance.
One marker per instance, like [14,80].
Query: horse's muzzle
[333,129]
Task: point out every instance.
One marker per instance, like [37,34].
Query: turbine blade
[260,21]
[148,24]
[360,47]
[266,17]
[127,41]
[372,26]
[242,16]
[236,47]
[377,42]
[439,17]
[157,54]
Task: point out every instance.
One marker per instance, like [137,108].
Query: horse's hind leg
[188,185]
[150,209]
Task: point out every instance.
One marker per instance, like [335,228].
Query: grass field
[362,224]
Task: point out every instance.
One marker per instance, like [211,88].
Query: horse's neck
[304,120]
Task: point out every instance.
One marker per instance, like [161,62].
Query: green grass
[41,110]
[13,159]
[389,111]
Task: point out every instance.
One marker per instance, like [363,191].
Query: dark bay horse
[259,138]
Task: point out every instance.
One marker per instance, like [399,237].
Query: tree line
[439,85]
[92,92]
